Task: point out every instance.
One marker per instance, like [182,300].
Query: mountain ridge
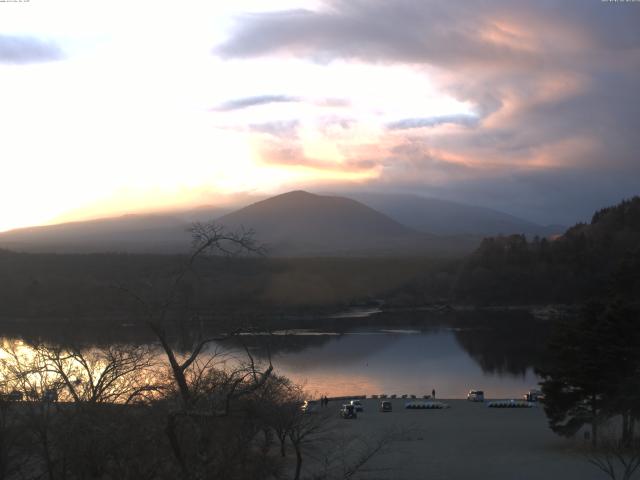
[302,223]
[446,217]
[295,223]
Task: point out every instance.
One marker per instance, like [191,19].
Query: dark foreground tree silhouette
[200,428]
[122,412]
[617,458]
[592,372]
[207,239]
[577,375]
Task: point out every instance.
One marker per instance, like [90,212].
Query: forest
[504,270]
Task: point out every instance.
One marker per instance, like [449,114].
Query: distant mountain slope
[300,224]
[129,233]
[292,224]
[443,217]
[303,223]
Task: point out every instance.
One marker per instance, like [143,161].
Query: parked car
[348,411]
[357,405]
[534,396]
[475,396]
[310,406]
[385,406]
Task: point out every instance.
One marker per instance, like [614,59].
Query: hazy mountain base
[87,286]
[293,224]
[584,262]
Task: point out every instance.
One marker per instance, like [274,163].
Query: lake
[375,353]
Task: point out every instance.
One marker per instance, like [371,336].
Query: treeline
[85,286]
[503,270]
[591,373]
[123,412]
[576,266]
[591,368]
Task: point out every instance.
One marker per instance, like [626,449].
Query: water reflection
[377,362]
[401,353]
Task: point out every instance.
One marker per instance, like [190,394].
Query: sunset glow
[104,113]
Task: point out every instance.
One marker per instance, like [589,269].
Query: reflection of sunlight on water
[402,362]
[14,346]
[391,360]
[43,372]
[334,384]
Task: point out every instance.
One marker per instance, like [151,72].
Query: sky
[532,108]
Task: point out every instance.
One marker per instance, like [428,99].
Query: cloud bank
[241,103]
[553,85]
[24,50]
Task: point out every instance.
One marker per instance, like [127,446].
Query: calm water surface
[409,353]
[394,361]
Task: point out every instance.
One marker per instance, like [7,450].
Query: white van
[534,396]
[475,396]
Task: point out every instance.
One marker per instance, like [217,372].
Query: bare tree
[306,429]
[114,374]
[207,238]
[281,401]
[205,389]
[342,455]
[13,456]
[618,458]
[67,442]
[26,376]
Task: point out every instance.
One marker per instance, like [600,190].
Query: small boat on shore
[421,405]
[510,404]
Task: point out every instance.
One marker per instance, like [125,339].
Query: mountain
[301,223]
[128,233]
[292,224]
[443,217]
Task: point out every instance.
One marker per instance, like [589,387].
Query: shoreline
[538,311]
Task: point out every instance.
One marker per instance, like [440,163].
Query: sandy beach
[467,440]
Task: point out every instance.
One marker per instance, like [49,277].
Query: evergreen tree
[592,371]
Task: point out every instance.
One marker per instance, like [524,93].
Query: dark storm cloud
[24,49]
[246,102]
[428,31]
[398,31]
[554,84]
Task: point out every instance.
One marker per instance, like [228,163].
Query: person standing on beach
[433,393]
